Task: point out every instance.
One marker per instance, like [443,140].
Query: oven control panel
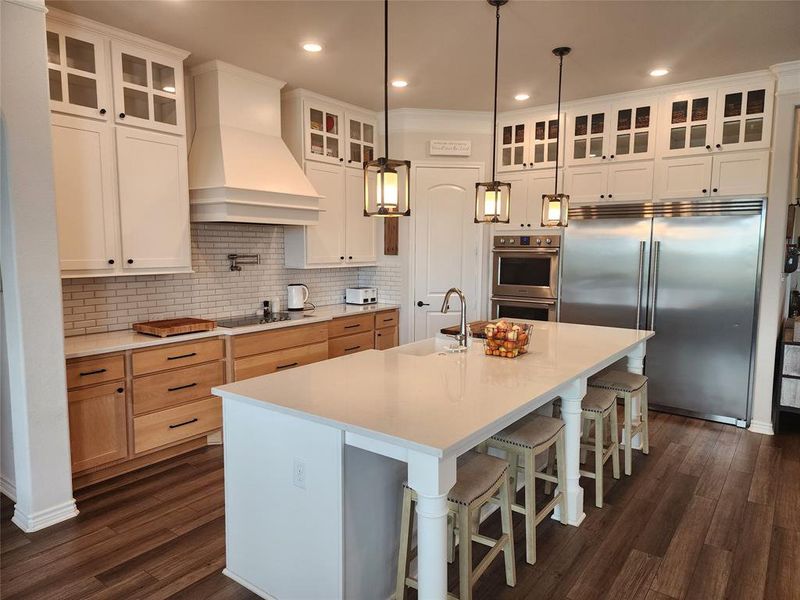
[527,241]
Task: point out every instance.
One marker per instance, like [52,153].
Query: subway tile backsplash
[99,304]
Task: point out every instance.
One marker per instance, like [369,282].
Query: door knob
[420,303]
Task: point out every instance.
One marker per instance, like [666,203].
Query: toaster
[361,295]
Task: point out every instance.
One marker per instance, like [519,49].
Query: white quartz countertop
[117,341]
[422,398]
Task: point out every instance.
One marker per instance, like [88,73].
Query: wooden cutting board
[477,328]
[169,327]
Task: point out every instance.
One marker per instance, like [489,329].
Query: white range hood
[239,168]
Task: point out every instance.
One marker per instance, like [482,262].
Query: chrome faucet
[461,338]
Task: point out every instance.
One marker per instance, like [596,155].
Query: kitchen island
[315,456]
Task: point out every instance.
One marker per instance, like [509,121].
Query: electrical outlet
[299,473]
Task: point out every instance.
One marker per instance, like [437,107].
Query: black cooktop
[254,320]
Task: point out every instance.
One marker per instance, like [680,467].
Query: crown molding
[788,77]
[37,5]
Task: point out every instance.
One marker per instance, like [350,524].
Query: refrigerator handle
[653,284]
[639,284]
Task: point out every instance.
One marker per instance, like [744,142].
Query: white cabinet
[361,138]
[325,241]
[323,137]
[722,175]
[77,71]
[632,132]
[615,182]
[687,122]
[512,144]
[587,134]
[83,169]
[359,230]
[586,184]
[526,199]
[743,116]
[153,200]
[530,143]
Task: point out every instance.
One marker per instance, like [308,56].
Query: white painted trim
[44,518]
[219,65]
[304,94]
[788,77]
[246,584]
[37,5]
[8,488]
[762,427]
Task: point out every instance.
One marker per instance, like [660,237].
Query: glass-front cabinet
[512,145]
[587,140]
[361,139]
[744,116]
[76,68]
[324,133]
[687,123]
[632,129]
[544,142]
[148,88]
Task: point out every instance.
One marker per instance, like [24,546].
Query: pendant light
[493,198]
[386,182]
[555,206]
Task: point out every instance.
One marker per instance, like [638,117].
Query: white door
[83,168]
[629,181]
[517,213]
[740,173]
[325,241]
[586,184]
[359,230]
[153,200]
[682,178]
[447,246]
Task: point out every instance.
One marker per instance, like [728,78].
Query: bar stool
[627,386]
[479,478]
[523,442]
[597,406]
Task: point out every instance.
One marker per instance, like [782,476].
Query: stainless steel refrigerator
[688,270]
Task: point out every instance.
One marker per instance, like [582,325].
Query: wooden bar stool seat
[481,479]
[628,386]
[523,442]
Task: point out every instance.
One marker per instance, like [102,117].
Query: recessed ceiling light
[312,47]
[521,97]
[169,88]
[659,72]
[399,83]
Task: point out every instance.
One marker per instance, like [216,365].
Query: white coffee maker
[297,296]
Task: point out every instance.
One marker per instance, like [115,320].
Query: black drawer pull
[352,348]
[389,319]
[351,326]
[290,365]
[182,356]
[95,372]
[181,387]
[189,422]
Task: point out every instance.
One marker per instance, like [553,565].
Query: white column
[431,477]
[636,365]
[31,277]
[571,411]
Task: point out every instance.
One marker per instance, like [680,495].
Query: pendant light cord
[558,118]
[496,70]
[386,78]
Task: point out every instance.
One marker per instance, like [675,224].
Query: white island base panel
[307,516]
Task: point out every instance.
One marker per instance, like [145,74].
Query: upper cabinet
[324,132]
[361,130]
[513,140]
[587,140]
[687,124]
[529,143]
[744,117]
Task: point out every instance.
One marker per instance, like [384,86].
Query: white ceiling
[445,48]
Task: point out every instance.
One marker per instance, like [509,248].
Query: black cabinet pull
[349,258]
[130,261]
[111,261]
[290,365]
[389,319]
[529,224]
[522,225]
[102,111]
[714,189]
[189,422]
[379,334]
[351,326]
[611,195]
[719,147]
[708,147]
[95,372]
[341,160]
[420,303]
[604,156]
[121,115]
[181,387]
[602,195]
[705,191]
[341,258]
[182,356]
[524,164]
[120,390]
[352,348]
[612,156]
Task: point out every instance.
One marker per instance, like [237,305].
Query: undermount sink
[434,345]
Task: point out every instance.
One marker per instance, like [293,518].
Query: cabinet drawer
[179,355]
[95,370]
[162,390]
[279,339]
[386,319]
[350,344]
[282,360]
[350,325]
[175,424]
[385,338]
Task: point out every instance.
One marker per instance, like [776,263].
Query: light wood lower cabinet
[175,424]
[350,344]
[385,338]
[97,425]
[163,390]
[179,355]
[94,370]
[281,360]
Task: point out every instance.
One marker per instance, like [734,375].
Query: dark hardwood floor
[713,512]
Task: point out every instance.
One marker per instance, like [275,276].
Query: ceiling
[445,48]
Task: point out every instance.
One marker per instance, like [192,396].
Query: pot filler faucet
[461,338]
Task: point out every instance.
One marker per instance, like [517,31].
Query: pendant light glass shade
[386,188]
[555,210]
[492,201]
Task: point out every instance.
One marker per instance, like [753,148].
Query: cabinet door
[518,209]
[83,169]
[359,230]
[386,338]
[687,123]
[688,177]
[325,241]
[98,430]
[153,200]
[324,139]
[77,75]
[540,183]
[587,135]
[512,144]
[629,181]
[545,132]
[148,88]
[360,140]
[586,184]
[744,117]
[633,126]
[740,174]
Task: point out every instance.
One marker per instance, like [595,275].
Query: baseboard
[44,518]
[763,427]
[8,488]
[244,583]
